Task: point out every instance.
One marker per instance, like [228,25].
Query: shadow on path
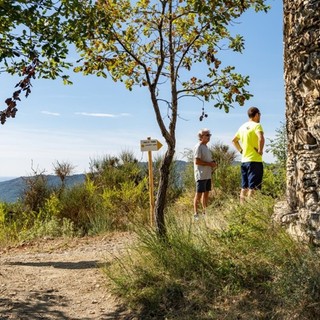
[39,305]
[46,305]
[60,265]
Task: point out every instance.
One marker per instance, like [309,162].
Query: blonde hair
[202,132]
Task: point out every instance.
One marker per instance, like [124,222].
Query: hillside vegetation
[237,263]
[234,264]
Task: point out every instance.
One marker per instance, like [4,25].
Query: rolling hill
[11,190]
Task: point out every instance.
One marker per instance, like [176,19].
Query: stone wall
[301,212]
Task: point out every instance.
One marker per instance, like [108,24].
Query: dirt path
[59,279]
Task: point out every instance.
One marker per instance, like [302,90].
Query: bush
[16,224]
[111,172]
[127,203]
[36,192]
[81,204]
[227,180]
[51,227]
[274,181]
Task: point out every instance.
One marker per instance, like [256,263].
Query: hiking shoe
[196,217]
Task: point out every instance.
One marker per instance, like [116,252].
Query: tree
[32,43]
[301,55]
[158,45]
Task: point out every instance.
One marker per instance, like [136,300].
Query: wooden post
[151,192]
[150,145]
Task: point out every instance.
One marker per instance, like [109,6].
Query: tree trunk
[160,204]
[302,83]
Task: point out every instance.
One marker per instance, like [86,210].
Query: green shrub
[111,172]
[21,225]
[36,192]
[7,225]
[274,181]
[51,208]
[51,227]
[227,180]
[81,204]
[127,203]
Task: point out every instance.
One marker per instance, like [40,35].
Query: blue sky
[95,116]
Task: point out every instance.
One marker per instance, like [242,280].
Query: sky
[96,117]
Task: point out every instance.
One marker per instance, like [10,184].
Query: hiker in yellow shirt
[249,141]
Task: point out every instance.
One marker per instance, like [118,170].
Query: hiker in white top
[203,168]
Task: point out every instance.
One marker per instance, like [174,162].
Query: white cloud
[56,114]
[102,115]
[99,115]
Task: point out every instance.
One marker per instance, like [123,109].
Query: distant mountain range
[11,190]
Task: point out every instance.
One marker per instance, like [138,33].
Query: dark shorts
[203,185]
[251,175]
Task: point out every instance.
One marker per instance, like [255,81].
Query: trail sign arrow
[150,145]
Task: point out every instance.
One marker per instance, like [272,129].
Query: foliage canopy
[33,30]
[160,43]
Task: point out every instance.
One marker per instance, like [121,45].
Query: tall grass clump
[248,268]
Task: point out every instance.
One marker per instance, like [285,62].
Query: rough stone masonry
[301,212]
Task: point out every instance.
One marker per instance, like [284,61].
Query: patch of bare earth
[60,279]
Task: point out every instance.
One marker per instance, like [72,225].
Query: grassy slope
[236,264]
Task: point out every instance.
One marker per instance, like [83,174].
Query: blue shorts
[251,175]
[203,186]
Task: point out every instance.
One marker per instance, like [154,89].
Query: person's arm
[260,142]
[236,143]
[200,162]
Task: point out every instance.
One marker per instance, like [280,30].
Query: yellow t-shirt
[247,134]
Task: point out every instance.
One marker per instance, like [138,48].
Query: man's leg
[196,201]
[244,193]
[244,182]
[204,201]
[251,192]
[255,177]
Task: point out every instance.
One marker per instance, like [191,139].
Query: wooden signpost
[150,145]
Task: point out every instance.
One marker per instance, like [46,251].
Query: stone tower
[301,215]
